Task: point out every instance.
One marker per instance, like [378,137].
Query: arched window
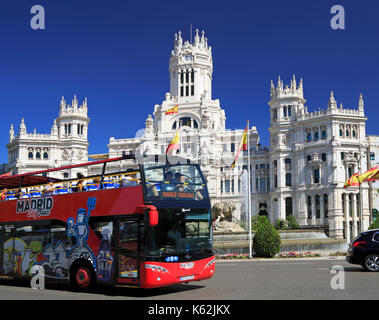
[323,134]
[45,155]
[38,155]
[30,155]
[309,137]
[186,121]
[288,206]
[316,136]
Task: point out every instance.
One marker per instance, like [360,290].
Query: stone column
[347,216]
[321,209]
[355,215]
[281,208]
[314,210]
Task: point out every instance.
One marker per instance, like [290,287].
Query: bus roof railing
[32,178]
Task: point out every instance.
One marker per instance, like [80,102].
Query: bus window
[59,236]
[128,235]
[103,230]
[29,244]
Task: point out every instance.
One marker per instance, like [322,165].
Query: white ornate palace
[301,173]
[66,144]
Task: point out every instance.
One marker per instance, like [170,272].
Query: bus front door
[128,251]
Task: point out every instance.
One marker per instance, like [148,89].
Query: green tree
[266,241]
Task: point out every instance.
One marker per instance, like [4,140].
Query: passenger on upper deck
[129,180]
[3,194]
[49,189]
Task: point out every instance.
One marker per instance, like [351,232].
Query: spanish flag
[172,110]
[352,181]
[174,144]
[369,175]
[243,145]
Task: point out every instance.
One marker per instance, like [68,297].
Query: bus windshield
[174,182]
[180,231]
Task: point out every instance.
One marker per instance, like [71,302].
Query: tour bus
[149,226]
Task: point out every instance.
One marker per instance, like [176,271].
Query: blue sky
[116,54]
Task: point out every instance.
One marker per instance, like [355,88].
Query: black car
[364,250]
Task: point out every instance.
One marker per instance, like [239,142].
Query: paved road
[233,280]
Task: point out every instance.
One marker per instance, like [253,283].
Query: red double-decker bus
[147,227]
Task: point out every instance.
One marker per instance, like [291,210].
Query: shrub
[266,241]
[292,223]
[374,225]
[281,224]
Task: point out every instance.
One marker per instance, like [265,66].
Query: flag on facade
[352,181]
[242,146]
[369,175]
[172,110]
[174,144]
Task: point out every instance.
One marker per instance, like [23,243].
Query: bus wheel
[82,278]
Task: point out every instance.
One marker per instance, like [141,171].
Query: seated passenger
[49,189]
[180,181]
[169,182]
[129,180]
[79,186]
[3,194]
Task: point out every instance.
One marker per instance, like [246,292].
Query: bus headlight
[210,263]
[156,268]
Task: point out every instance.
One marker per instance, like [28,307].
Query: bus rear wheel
[82,278]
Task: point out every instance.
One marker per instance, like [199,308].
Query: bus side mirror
[153,217]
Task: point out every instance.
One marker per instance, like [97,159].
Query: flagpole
[249,190]
[180,137]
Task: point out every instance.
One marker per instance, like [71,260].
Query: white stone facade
[67,143]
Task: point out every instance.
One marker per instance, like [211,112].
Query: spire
[202,40]
[197,38]
[332,102]
[11,133]
[54,128]
[361,103]
[75,102]
[180,40]
[293,83]
[272,89]
[22,126]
